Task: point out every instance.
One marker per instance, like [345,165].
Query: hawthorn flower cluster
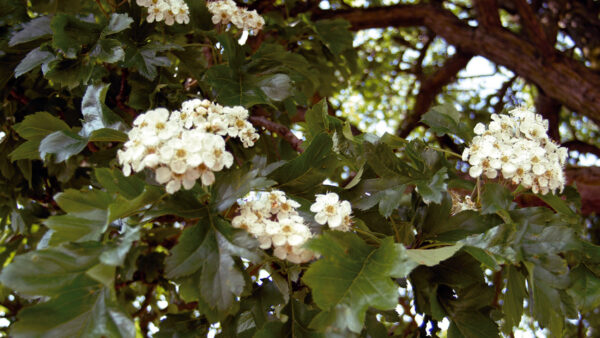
[274,221]
[226,11]
[329,209]
[185,145]
[518,147]
[169,11]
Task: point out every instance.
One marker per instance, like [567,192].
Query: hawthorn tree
[177,168]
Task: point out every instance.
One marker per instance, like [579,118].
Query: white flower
[183,146]
[170,11]
[226,11]
[517,146]
[272,219]
[329,209]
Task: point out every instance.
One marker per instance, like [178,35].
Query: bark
[559,76]
[430,87]
[587,181]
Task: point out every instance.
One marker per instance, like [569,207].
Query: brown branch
[121,96]
[431,87]
[283,131]
[587,180]
[549,108]
[537,34]
[562,78]
[22,99]
[487,13]
[582,147]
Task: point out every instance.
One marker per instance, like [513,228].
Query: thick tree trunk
[559,76]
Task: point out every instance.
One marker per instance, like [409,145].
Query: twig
[280,129]
[121,96]
[22,99]
[102,8]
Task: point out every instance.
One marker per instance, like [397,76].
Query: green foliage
[87,251]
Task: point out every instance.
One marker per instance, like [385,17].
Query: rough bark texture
[431,86]
[587,180]
[559,76]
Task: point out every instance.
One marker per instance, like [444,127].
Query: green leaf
[390,200]
[558,204]
[234,53]
[235,89]
[107,135]
[432,257]
[39,124]
[116,254]
[69,73]
[49,272]
[276,87]
[96,115]
[232,185]
[475,324]
[585,289]
[63,144]
[316,119]
[72,34]
[118,22]
[431,190]
[124,207]
[35,29]
[115,182]
[383,161]
[445,119]
[494,198]
[512,306]
[27,151]
[69,228]
[85,311]
[33,59]
[310,168]
[91,204]
[350,277]
[108,50]
[335,34]
[208,248]
[145,59]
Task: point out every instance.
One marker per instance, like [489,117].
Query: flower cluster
[170,11]
[517,146]
[329,209]
[226,11]
[274,221]
[185,145]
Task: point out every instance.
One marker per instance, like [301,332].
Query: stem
[368,234]
[449,152]
[102,8]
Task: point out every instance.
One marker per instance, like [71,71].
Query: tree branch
[431,87]
[582,147]
[561,77]
[549,108]
[487,13]
[532,25]
[283,131]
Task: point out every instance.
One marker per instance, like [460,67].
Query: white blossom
[183,146]
[226,11]
[517,147]
[169,11]
[272,218]
[329,209]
